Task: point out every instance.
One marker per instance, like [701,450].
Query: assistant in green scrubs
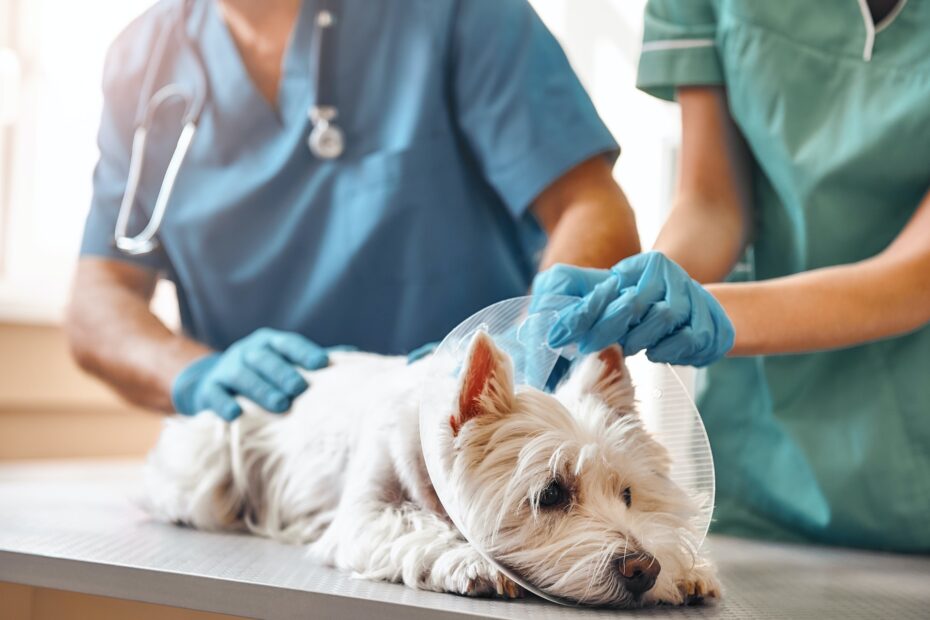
[834,105]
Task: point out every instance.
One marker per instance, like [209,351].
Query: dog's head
[568,490]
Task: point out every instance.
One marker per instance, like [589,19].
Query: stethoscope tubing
[326,140]
[144,242]
[150,102]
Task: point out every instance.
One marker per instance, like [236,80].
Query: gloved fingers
[220,402]
[658,323]
[631,270]
[622,315]
[568,280]
[613,323]
[299,350]
[249,384]
[630,309]
[678,349]
[661,319]
[575,321]
[692,345]
[280,374]
[714,327]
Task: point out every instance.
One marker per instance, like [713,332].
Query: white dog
[566,490]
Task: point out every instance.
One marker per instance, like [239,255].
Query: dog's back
[279,475]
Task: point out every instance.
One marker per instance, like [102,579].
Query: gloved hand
[644,302]
[260,367]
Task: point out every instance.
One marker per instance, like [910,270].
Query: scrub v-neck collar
[234,91]
[872,28]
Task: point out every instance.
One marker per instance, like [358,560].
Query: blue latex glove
[644,302]
[260,367]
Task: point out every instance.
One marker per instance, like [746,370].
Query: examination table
[77,526]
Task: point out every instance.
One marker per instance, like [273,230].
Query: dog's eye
[552,495]
[628,497]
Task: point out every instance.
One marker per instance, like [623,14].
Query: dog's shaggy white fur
[567,490]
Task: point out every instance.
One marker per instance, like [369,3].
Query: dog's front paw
[500,585]
[465,571]
[699,585]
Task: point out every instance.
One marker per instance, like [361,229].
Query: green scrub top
[831,447]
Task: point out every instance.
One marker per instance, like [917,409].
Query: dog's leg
[378,533]
[404,543]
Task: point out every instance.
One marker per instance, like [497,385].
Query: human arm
[648,302]
[587,218]
[839,306]
[881,297]
[535,133]
[115,336]
[709,224]
[834,307]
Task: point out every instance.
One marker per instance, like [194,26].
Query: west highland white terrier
[566,490]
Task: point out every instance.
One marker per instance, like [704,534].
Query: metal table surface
[77,526]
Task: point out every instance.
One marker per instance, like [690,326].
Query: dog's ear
[604,375]
[486,385]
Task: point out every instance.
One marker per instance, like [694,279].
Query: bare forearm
[709,224]
[115,337]
[588,219]
[592,236]
[884,296]
[826,308]
[705,242]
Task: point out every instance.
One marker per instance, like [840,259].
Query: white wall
[602,39]
[60,48]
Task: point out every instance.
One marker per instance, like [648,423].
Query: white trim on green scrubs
[835,446]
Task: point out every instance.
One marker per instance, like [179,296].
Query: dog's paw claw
[494,585]
[699,587]
[506,588]
[476,587]
[464,571]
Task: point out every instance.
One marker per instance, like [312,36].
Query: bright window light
[52,112]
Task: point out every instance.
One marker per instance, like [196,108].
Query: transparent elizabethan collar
[520,328]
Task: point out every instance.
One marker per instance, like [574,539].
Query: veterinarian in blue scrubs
[467,140]
[806,149]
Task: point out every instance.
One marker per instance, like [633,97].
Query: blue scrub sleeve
[122,76]
[522,109]
[679,47]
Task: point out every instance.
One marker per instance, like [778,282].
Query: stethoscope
[326,139]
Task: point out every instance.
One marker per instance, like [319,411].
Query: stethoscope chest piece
[326,140]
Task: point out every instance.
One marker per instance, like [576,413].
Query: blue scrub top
[457,114]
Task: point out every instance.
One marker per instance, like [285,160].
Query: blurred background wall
[51,54]
[49,409]
[51,58]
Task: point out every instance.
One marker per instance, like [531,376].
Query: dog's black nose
[639,572]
